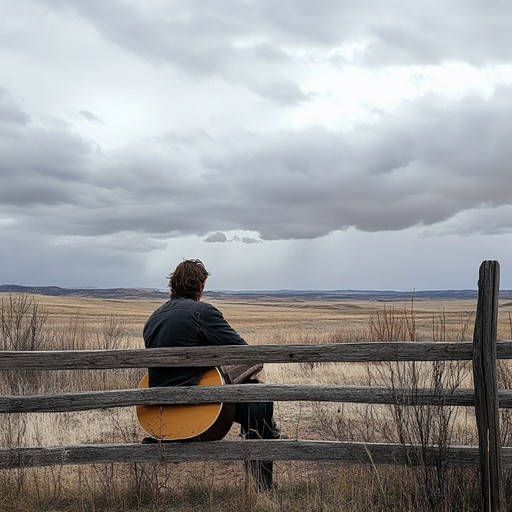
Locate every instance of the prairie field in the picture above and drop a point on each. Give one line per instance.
(60, 323)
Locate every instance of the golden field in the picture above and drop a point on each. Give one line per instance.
(85, 323)
(265, 321)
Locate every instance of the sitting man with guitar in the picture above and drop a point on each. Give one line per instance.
(185, 321)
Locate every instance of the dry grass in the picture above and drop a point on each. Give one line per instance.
(88, 323)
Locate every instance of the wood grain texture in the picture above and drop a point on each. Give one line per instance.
(230, 355)
(486, 387)
(279, 450)
(84, 401)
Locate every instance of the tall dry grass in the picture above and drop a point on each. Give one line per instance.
(30, 323)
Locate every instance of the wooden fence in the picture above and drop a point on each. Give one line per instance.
(489, 456)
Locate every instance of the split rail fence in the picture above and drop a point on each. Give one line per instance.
(489, 456)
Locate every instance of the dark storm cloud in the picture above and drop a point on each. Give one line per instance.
(419, 167)
(428, 162)
(40, 164)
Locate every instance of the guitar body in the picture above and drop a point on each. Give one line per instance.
(202, 422)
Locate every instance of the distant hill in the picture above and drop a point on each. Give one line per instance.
(149, 293)
(100, 293)
(375, 295)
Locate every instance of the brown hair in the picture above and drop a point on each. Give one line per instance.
(187, 279)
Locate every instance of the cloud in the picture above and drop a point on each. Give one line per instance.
(271, 49)
(221, 237)
(208, 39)
(282, 92)
(202, 41)
(216, 237)
(404, 34)
(12, 117)
(487, 220)
(249, 240)
(281, 184)
(41, 163)
(89, 116)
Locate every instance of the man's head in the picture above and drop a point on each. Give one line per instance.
(188, 279)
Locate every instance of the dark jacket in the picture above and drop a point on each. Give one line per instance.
(185, 323)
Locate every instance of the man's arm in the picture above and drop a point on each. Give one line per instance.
(215, 330)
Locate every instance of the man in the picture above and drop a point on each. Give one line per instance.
(186, 321)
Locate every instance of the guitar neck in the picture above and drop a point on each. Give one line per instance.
(236, 374)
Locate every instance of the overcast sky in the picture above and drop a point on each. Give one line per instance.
(286, 143)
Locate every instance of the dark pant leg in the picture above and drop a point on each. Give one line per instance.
(258, 417)
(257, 422)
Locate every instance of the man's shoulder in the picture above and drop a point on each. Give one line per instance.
(205, 306)
(173, 304)
(182, 304)
(204, 310)
(190, 304)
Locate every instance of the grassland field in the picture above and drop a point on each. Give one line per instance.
(259, 322)
(267, 321)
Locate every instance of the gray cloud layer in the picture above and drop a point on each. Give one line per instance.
(236, 40)
(427, 163)
(440, 32)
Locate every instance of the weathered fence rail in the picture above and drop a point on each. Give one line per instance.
(84, 401)
(349, 452)
(489, 456)
(208, 356)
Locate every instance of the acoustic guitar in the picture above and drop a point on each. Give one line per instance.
(202, 422)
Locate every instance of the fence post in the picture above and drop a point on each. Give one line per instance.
(486, 387)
